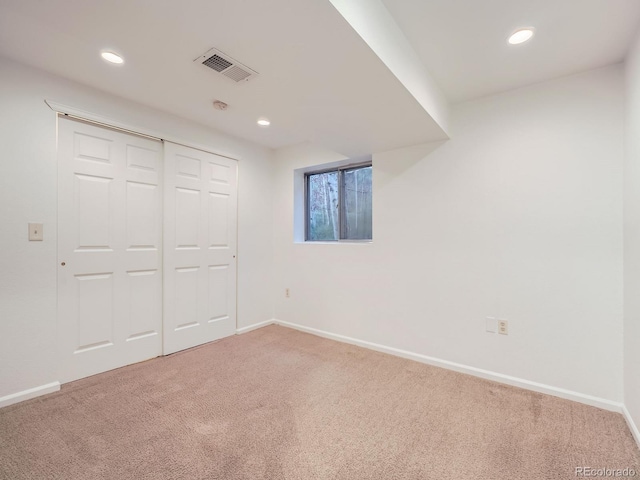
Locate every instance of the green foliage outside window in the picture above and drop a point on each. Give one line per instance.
(339, 204)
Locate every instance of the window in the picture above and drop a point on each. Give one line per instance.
(338, 204)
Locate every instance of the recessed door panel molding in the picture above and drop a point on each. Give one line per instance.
(94, 310)
(218, 292)
(142, 158)
(187, 217)
(187, 167)
(186, 297)
(109, 248)
(92, 148)
(218, 220)
(143, 306)
(220, 173)
(93, 199)
(200, 242)
(143, 215)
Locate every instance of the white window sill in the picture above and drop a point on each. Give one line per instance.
(337, 242)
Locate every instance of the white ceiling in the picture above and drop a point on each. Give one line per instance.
(319, 80)
(463, 42)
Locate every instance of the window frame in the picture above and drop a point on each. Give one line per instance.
(341, 217)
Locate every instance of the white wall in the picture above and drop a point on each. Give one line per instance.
(28, 194)
(632, 238)
(519, 216)
(377, 27)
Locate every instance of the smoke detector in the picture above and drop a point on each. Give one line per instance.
(226, 65)
(218, 105)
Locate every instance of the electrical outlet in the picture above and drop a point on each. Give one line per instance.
(503, 327)
(287, 293)
(35, 232)
(491, 325)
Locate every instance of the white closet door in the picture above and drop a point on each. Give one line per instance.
(200, 240)
(109, 247)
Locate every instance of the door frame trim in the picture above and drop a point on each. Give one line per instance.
(91, 117)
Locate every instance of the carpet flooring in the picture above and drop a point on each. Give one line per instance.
(276, 403)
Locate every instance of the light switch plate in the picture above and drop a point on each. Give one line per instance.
(492, 325)
(35, 232)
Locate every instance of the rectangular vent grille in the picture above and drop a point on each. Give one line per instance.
(217, 63)
(227, 66)
(236, 73)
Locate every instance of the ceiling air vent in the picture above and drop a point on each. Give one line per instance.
(227, 66)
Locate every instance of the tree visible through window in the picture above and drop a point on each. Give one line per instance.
(339, 204)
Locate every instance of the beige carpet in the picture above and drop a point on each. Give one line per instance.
(279, 404)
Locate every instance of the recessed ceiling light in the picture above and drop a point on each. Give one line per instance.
(521, 36)
(112, 57)
(264, 122)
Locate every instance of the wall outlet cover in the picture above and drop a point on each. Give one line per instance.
(503, 327)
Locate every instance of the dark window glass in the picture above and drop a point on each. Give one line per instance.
(323, 218)
(357, 204)
(339, 204)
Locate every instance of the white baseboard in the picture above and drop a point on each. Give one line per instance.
(240, 331)
(30, 393)
(476, 372)
(632, 425)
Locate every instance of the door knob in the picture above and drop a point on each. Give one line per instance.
(63, 264)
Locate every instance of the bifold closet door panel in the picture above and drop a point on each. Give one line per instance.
(200, 244)
(109, 248)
